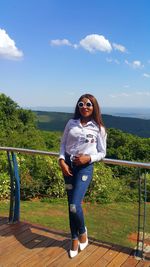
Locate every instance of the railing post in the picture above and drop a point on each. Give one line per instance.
(11, 208)
(17, 189)
(141, 216)
(14, 212)
(138, 252)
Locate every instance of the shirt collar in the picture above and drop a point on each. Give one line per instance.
(92, 123)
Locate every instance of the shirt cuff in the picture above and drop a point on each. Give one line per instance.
(61, 157)
(95, 158)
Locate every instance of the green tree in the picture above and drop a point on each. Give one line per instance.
(18, 126)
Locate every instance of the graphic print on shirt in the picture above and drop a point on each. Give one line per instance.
(90, 138)
(86, 138)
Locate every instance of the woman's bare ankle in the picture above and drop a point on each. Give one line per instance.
(83, 238)
(75, 244)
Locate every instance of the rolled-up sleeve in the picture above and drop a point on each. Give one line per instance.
(101, 146)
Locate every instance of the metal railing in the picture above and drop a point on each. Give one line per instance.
(14, 212)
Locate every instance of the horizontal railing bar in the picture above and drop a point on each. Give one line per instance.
(29, 151)
(127, 163)
(105, 160)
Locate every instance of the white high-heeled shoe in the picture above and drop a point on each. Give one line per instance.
(74, 253)
(84, 245)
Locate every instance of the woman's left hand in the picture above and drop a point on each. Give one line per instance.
(81, 159)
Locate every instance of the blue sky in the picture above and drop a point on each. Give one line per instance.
(52, 51)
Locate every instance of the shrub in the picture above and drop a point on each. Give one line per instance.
(4, 186)
(40, 177)
(4, 177)
(56, 182)
(105, 188)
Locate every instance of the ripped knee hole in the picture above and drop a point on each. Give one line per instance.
(73, 208)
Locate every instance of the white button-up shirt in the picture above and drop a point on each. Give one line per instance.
(87, 139)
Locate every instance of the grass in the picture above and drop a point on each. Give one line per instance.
(112, 223)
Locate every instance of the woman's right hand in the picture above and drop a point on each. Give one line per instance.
(65, 168)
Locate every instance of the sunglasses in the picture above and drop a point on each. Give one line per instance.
(87, 104)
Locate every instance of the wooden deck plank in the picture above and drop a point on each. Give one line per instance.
(41, 253)
(13, 252)
(45, 239)
(108, 256)
(66, 261)
(143, 264)
(3, 220)
(61, 253)
(37, 260)
(96, 255)
(25, 244)
(131, 261)
(27, 256)
(120, 258)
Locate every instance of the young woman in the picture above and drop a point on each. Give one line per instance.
(83, 143)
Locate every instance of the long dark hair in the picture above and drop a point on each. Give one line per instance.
(96, 115)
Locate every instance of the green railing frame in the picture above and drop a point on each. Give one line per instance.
(14, 212)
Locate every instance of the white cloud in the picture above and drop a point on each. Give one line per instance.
(119, 47)
(128, 99)
(142, 93)
(111, 60)
(92, 43)
(146, 75)
(134, 94)
(63, 42)
(96, 42)
(60, 42)
(75, 46)
(8, 47)
(119, 95)
(136, 64)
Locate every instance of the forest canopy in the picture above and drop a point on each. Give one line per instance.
(18, 126)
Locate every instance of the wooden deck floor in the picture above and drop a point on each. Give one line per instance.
(27, 245)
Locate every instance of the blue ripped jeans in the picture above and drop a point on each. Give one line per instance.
(76, 187)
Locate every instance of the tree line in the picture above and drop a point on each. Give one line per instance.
(55, 121)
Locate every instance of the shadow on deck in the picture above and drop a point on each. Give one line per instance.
(25, 244)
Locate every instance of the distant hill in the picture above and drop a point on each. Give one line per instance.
(55, 121)
(134, 126)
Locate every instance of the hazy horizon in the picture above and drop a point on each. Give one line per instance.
(143, 113)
